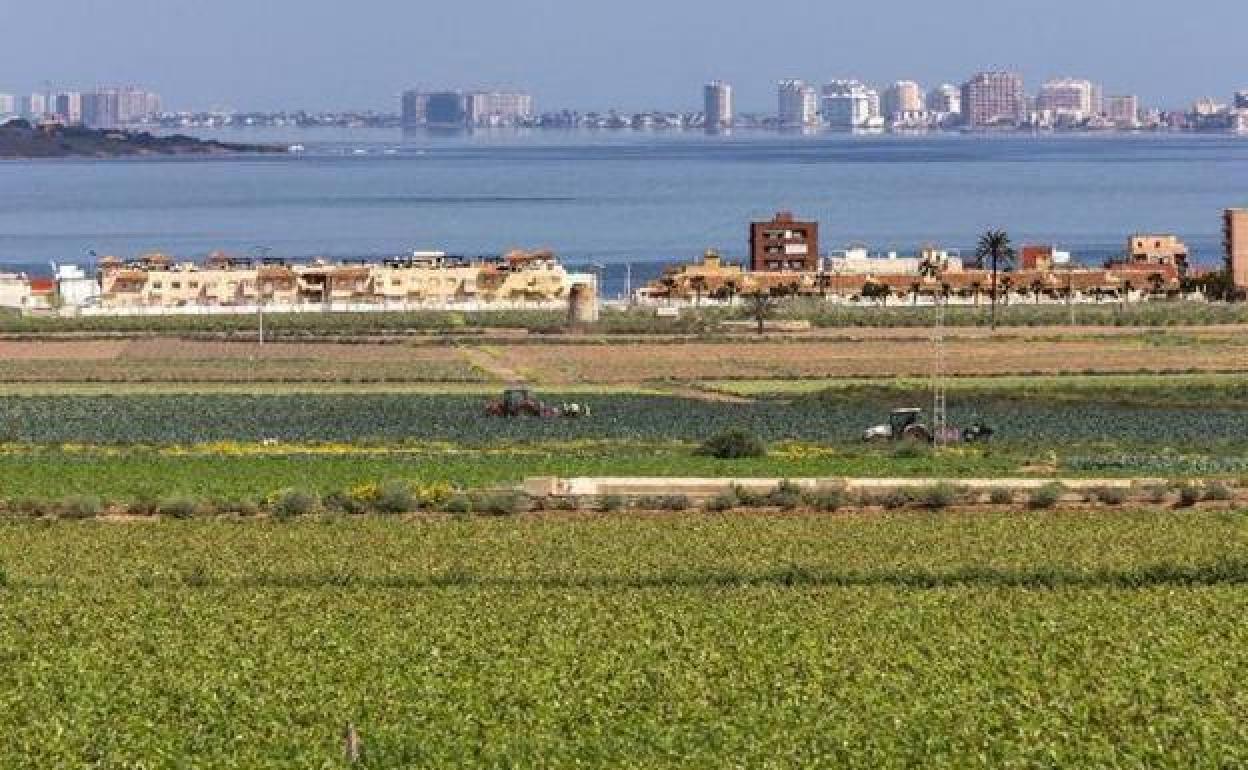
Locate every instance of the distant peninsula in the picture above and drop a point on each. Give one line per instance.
(19, 139)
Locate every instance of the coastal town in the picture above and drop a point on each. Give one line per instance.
(785, 259)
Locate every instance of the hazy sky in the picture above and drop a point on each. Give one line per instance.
(269, 54)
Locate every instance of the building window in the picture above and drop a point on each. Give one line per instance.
(156, 284)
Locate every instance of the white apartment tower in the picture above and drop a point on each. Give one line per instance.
(847, 105)
(945, 99)
(901, 98)
(717, 99)
(1072, 98)
(797, 104)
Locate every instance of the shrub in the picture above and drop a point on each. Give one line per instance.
(1046, 496)
(895, 498)
(733, 444)
(144, 505)
(1155, 493)
(910, 449)
(294, 502)
(1189, 495)
(1110, 495)
(674, 503)
(937, 496)
(503, 504)
(178, 507)
(345, 502)
(827, 499)
(747, 498)
(459, 504)
(612, 503)
(1216, 490)
(724, 501)
(1000, 496)
(32, 506)
(395, 497)
(786, 495)
(81, 507)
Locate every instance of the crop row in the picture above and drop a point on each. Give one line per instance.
(196, 418)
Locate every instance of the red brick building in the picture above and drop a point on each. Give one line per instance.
(784, 244)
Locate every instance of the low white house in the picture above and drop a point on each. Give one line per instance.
(14, 291)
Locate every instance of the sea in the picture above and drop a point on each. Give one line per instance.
(623, 203)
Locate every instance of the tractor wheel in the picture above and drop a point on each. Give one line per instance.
(918, 433)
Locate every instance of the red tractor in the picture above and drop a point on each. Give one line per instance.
(523, 402)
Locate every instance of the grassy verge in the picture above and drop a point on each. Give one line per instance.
(251, 472)
(682, 641)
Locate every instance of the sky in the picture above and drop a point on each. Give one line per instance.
(590, 54)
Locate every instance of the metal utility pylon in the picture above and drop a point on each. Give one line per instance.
(940, 415)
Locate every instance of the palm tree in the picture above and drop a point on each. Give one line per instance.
(995, 245)
(698, 283)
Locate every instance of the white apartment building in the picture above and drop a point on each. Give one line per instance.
(1069, 99)
(8, 105)
(717, 107)
(797, 104)
(945, 99)
(902, 98)
(847, 105)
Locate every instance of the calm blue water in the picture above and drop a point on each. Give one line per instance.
(621, 197)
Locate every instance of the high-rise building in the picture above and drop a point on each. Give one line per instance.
(945, 99)
(1122, 111)
(846, 105)
(8, 105)
(1241, 100)
(497, 108)
(413, 106)
(67, 107)
(102, 108)
(33, 106)
(717, 99)
(1235, 232)
(135, 105)
(993, 99)
(444, 109)
(902, 97)
(797, 104)
(1071, 98)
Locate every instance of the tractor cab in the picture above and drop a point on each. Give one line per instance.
(901, 419)
(516, 399)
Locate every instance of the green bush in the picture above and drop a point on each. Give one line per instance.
(1000, 496)
(724, 501)
(345, 502)
(178, 507)
(827, 499)
(395, 497)
(612, 503)
(786, 495)
(1218, 491)
(1046, 496)
(733, 444)
(894, 499)
(673, 503)
(294, 502)
(747, 498)
(503, 504)
(1110, 495)
(458, 504)
(1189, 495)
(1155, 493)
(81, 507)
(937, 496)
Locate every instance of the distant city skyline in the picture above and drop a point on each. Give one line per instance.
(315, 54)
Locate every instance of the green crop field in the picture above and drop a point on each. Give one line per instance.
(692, 641)
(1212, 417)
